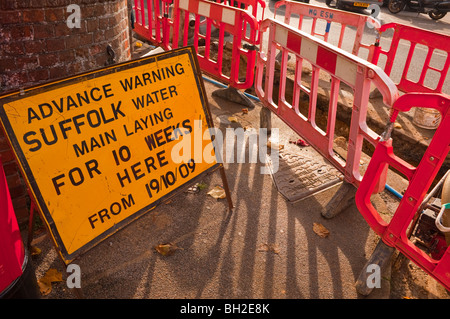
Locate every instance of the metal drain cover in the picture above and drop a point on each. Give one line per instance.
(300, 176)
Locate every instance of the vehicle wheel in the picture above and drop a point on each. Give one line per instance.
(395, 6)
(436, 14)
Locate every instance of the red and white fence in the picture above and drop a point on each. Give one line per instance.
(195, 20)
(425, 50)
(395, 232)
(340, 66)
(330, 25)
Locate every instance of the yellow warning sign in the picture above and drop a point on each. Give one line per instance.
(100, 149)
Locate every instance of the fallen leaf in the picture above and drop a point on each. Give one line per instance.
(217, 192)
(45, 283)
(320, 230)
(244, 111)
(299, 142)
(269, 248)
(397, 125)
(233, 119)
(274, 146)
(35, 251)
(166, 249)
(202, 185)
(138, 44)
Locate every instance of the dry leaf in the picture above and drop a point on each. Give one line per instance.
(244, 111)
(166, 249)
(397, 125)
(45, 283)
(138, 44)
(35, 251)
(217, 192)
(233, 119)
(275, 145)
(269, 248)
(320, 230)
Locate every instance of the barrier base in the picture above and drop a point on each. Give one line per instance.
(24, 287)
(344, 197)
(381, 256)
(233, 95)
(265, 120)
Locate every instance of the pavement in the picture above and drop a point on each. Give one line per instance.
(267, 247)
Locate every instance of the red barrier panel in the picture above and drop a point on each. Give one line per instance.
(326, 19)
(12, 252)
(256, 7)
(434, 46)
(394, 233)
(341, 66)
(202, 18)
(149, 16)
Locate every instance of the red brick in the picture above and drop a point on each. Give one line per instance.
(7, 155)
(46, 60)
(35, 15)
(73, 42)
(86, 38)
(38, 75)
(35, 46)
(8, 4)
(12, 81)
(13, 49)
(10, 17)
(21, 208)
(91, 25)
(66, 56)
(43, 31)
(99, 36)
(58, 72)
(75, 68)
(8, 64)
(61, 29)
(17, 192)
(24, 32)
(11, 168)
(13, 180)
(96, 49)
(4, 144)
(56, 44)
(55, 14)
(27, 62)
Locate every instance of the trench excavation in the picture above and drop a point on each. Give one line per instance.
(409, 144)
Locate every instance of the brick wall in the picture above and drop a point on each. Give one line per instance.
(37, 46)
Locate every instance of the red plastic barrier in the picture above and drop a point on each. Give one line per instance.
(429, 41)
(326, 18)
(256, 7)
(341, 66)
(150, 19)
(394, 233)
(12, 252)
(229, 23)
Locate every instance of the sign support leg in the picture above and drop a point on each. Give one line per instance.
(226, 188)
